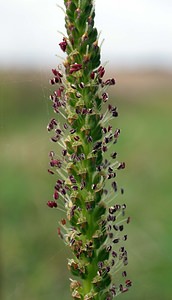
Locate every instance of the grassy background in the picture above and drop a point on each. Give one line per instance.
(32, 258)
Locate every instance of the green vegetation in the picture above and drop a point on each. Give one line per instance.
(33, 260)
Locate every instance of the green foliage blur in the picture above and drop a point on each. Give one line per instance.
(33, 260)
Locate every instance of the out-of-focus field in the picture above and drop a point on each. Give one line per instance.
(32, 258)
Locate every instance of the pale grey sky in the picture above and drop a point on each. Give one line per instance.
(136, 32)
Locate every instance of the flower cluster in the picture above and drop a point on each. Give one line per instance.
(86, 186)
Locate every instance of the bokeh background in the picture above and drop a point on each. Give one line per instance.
(138, 46)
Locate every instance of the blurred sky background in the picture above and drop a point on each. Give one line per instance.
(138, 33)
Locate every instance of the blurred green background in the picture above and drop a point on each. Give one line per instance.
(32, 258)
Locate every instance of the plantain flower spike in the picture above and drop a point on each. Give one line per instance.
(85, 169)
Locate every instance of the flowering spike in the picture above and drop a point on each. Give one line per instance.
(93, 229)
